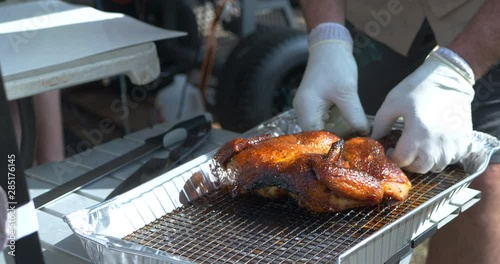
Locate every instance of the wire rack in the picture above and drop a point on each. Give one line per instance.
(217, 228)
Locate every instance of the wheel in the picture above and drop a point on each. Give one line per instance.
(177, 55)
(180, 52)
(295, 3)
(260, 77)
(172, 14)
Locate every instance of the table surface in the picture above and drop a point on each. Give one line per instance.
(59, 243)
(139, 62)
(58, 45)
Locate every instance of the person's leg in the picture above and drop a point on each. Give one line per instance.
(50, 139)
(49, 127)
(474, 236)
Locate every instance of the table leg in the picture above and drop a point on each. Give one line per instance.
(125, 109)
(27, 119)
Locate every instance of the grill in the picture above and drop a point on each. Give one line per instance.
(183, 217)
(248, 229)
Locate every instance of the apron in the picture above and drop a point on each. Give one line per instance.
(395, 23)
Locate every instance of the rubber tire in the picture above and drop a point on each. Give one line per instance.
(177, 55)
(254, 70)
(182, 51)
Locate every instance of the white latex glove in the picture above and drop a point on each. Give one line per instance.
(331, 78)
(435, 102)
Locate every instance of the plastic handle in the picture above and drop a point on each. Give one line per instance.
(174, 136)
(192, 127)
(194, 124)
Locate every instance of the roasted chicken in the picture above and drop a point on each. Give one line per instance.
(322, 172)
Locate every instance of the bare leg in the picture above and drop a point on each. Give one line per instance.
(474, 237)
(50, 140)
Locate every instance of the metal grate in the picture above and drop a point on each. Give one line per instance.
(217, 228)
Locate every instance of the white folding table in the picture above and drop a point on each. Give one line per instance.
(138, 62)
(51, 44)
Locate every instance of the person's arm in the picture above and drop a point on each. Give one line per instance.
(321, 11)
(479, 43)
(435, 100)
(330, 83)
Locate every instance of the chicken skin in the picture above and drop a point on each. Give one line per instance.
(322, 172)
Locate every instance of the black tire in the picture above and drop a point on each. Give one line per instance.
(260, 77)
(177, 55)
(180, 52)
(295, 3)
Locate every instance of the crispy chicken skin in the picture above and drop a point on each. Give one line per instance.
(322, 172)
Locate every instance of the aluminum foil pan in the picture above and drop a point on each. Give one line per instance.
(101, 228)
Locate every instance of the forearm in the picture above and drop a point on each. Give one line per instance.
(479, 43)
(320, 11)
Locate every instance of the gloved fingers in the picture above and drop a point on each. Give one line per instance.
(406, 150)
(463, 146)
(445, 158)
(422, 164)
(353, 113)
(440, 166)
(454, 150)
(446, 155)
(384, 120)
(337, 124)
(311, 111)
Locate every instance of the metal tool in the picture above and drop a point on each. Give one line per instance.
(157, 166)
(174, 135)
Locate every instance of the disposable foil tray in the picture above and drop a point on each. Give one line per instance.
(183, 217)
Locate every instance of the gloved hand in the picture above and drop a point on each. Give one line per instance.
(435, 102)
(331, 78)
